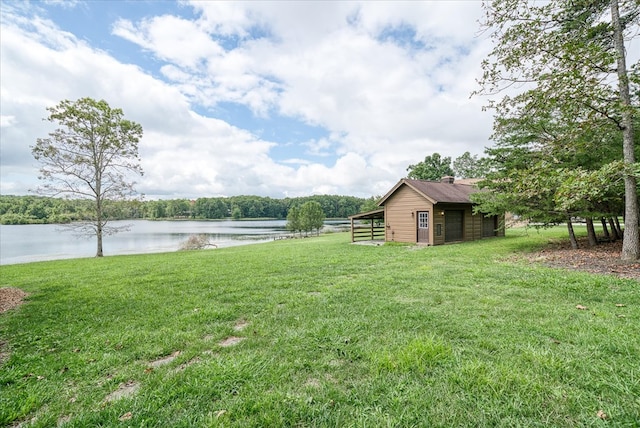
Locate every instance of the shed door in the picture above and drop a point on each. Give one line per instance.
(453, 227)
(489, 226)
(423, 227)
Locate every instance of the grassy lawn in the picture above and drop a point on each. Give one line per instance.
(318, 332)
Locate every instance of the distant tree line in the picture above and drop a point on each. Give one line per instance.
(42, 209)
(38, 209)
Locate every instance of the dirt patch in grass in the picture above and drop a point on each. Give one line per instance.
(240, 325)
(230, 341)
(601, 259)
(164, 360)
(11, 298)
(124, 390)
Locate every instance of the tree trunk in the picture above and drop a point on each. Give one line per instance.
(618, 228)
(572, 235)
(614, 230)
(99, 213)
(591, 232)
(99, 238)
(631, 238)
(605, 229)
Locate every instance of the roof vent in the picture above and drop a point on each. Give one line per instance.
(448, 179)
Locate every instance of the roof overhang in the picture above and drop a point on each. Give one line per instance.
(369, 215)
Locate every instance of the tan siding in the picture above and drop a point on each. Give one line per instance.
(401, 224)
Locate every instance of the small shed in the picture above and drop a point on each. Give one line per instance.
(432, 213)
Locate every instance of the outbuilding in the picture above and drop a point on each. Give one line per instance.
(428, 212)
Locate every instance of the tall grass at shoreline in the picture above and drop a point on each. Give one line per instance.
(319, 332)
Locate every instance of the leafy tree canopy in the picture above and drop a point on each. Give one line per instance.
(433, 167)
(468, 166)
(565, 120)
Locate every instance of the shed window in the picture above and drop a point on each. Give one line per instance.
(423, 220)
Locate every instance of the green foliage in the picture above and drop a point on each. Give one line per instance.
(294, 221)
(467, 166)
(155, 209)
(370, 204)
(210, 208)
(333, 335)
(307, 218)
(178, 208)
(537, 159)
(37, 209)
(594, 192)
(334, 206)
(565, 143)
(40, 209)
(433, 167)
(311, 216)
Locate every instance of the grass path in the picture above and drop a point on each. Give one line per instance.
(318, 332)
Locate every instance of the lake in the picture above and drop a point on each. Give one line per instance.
(37, 242)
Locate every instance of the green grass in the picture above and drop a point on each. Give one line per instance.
(336, 335)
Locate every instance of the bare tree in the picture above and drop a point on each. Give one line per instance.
(90, 156)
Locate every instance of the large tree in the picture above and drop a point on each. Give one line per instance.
(90, 156)
(433, 167)
(565, 62)
(468, 166)
(541, 178)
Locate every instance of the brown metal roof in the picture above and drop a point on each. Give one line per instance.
(435, 191)
(369, 215)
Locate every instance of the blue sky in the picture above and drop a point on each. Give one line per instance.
(266, 98)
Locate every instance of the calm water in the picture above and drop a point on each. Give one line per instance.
(29, 243)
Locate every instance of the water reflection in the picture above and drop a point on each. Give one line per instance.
(28, 243)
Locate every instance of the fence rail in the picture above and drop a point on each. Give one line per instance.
(367, 232)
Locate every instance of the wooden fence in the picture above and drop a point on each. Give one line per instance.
(372, 231)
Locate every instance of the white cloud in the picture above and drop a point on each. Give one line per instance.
(342, 77)
(320, 147)
(383, 103)
(6, 121)
(170, 38)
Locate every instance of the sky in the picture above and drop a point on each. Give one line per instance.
(278, 99)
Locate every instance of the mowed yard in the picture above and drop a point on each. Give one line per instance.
(318, 332)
